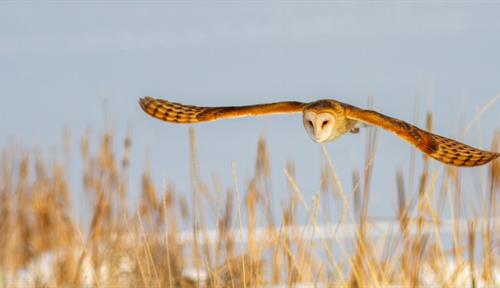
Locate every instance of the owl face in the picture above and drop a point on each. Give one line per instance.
(319, 126)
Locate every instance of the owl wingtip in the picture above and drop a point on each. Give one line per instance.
(143, 101)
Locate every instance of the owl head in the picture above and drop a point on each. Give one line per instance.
(325, 120)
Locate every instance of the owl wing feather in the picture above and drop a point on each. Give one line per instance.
(438, 147)
(186, 114)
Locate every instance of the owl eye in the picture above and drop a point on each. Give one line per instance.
(324, 124)
(310, 123)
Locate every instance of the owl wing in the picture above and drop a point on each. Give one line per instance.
(186, 114)
(438, 147)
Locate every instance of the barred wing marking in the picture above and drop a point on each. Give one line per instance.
(186, 114)
(438, 147)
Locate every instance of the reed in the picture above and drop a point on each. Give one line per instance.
(129, 245)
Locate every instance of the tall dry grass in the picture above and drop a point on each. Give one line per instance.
(140, 245)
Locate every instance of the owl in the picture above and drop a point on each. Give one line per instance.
(325, 121)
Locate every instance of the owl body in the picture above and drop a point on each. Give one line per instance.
(326, 120)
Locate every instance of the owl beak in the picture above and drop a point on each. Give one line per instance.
(317, 136)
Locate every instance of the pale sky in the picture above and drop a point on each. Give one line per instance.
(60, 60)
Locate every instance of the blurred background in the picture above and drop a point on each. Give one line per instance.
(81, 66)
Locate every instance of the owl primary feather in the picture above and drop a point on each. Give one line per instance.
(324, 121)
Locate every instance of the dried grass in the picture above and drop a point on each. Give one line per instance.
(125, 247)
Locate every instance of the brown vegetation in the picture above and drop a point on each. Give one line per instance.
(144, 248)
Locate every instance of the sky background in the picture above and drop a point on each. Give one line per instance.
(60, 61)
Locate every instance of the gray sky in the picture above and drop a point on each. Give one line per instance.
(61, 61)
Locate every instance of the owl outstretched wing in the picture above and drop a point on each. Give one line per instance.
(186, 114)
(438, 147)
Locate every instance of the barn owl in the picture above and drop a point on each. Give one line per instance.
(324, 121)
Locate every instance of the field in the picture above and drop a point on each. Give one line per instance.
(438, 237)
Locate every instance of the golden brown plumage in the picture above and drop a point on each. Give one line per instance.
(326, 120)
(438, 147)
(186, 114)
